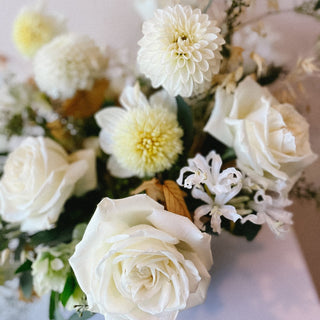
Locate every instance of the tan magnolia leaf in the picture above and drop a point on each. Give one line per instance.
(273, 4)
(236, 58)
(61, 134)
(153, 189)
(85, 103)
(174, 199)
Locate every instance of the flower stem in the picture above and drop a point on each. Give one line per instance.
(208, 6)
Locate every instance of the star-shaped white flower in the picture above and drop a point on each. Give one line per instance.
(222, 186)
(270, 210)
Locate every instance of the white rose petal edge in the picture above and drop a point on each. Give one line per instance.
(138, 261)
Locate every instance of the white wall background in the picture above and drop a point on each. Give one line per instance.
(115, 23)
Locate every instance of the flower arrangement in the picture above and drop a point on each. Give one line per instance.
(113, 182)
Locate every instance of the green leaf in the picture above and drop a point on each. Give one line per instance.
(317, 6)
(26, 284)
(186, 123)
(228, 155)
(81, 316)
(24, 267)
(68, 289)
(53, 305)
(51, 237)
(20, 247)
(247, 229)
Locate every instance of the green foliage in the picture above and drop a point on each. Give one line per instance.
(272, 74)
(248, 229)
(304, 190)
(26, 266)
(26, 284)
(14, 125)
(68, 289)
(53, 305)
(309, 8)
(186, 122)
(233, 13)
(228, 155)
(81, 315)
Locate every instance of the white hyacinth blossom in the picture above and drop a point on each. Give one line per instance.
(270, 210)
(222, 187)
(180, 50)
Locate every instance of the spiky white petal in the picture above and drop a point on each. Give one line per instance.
(180, 50)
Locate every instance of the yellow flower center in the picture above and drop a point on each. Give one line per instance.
(31, 31)
(147, 141)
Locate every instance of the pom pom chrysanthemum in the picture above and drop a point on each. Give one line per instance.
(180, 50)
(143, 138)
(33, 28)
(68, 63)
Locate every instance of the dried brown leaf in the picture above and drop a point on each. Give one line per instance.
(24, 299)
(273, 4)
(85, 103)
(61, 134)
(174, 199)
(153, 189)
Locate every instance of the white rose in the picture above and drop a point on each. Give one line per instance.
(271, 140)
(138, 261)
(38, 178)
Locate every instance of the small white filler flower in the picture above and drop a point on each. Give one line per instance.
(180, 50)
(270, 210)
(68, 63)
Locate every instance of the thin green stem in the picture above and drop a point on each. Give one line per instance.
(208, 6)
(262, 16)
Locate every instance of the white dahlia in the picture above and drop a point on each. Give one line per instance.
(68, 63)
(180, 50)
(144, 137)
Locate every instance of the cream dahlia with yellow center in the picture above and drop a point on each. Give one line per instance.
(180, 50)
(144, 137)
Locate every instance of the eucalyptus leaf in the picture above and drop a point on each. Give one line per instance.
(58, 315)
(81, 316)
(26, 284)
